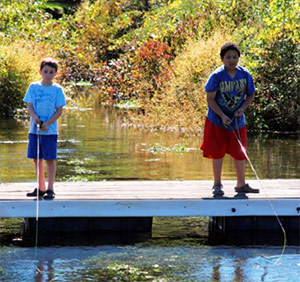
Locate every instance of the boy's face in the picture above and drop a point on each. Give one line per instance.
(47, 73)
(230, 60)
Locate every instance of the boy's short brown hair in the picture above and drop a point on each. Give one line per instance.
(229, 46)
(49, 62)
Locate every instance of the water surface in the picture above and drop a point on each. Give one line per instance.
(94, 145)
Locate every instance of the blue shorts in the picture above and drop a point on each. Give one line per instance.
(47, 146)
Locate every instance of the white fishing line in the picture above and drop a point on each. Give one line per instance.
(38, 190)
(263, 187)
(38, 171)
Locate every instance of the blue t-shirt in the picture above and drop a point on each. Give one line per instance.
(45, 100)
(231, 93)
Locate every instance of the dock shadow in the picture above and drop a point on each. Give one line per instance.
(239, 195)
(87, 231)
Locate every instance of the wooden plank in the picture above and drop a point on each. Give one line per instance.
(148, 190)
(151, 198)
(150, 208)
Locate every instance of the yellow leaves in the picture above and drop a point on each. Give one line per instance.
(179, 104)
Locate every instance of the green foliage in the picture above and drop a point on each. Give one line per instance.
(21, 19)
(278, 77)
(17, 70)
(180, 103)
(159, 53)
(273, 57)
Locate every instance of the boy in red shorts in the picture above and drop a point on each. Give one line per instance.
(230, 90)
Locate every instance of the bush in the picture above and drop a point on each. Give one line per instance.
(20, 19)
(127, 48)
(273, 58)
(277, 105)
(180, 103)
(18, 68)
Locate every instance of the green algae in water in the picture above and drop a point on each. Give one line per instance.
(11, 226)
(11, 229)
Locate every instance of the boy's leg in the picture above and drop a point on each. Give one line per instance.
(240, 172)
(40, 165)
(217, 169)
(49, 146)
(51, 166)
(241, 186)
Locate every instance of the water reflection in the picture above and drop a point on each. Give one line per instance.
(138, 263)
(94, 145)
(44, 271)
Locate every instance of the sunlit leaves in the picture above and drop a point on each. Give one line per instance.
(134, 51)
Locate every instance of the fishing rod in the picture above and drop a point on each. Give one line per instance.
(236, 133)
(38, 126)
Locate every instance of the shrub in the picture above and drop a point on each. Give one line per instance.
(180, 103)
(273, 58)
(21, 19)
(18, 68)
(277, 105)
(117, 81)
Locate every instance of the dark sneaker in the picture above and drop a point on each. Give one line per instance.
(49, 195)
(246, 189)
(35, 192)
(217, 190)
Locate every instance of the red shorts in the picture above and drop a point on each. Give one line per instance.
(218, 141)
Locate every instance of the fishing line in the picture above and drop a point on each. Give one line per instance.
(261, 184)
(38, 190)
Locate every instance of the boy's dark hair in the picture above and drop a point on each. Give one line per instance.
(49, 62)
(229, 46)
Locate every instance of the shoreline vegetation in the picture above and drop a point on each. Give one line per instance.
(151, 58)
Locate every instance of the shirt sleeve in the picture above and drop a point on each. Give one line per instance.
(212, 83)
(60, 100)
(250, 84)
(29, 95)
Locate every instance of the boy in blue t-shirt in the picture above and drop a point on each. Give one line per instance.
(230, 90)
(45, 101)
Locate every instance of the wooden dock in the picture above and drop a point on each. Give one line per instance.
(151, 199)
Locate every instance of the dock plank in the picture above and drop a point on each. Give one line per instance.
(151, 198)
(147, 190)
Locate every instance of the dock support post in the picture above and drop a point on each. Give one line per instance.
(254, 230)
(88, 229)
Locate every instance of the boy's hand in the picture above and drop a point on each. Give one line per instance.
(226, 120)
(36, 120)
(45, 126)
(239, 112)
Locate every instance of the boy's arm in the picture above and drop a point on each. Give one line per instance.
(249, 99)
(32, 113)
(56, 115)
(211, 101)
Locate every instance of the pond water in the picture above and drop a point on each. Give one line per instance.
(94, 145)
(148, 263)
